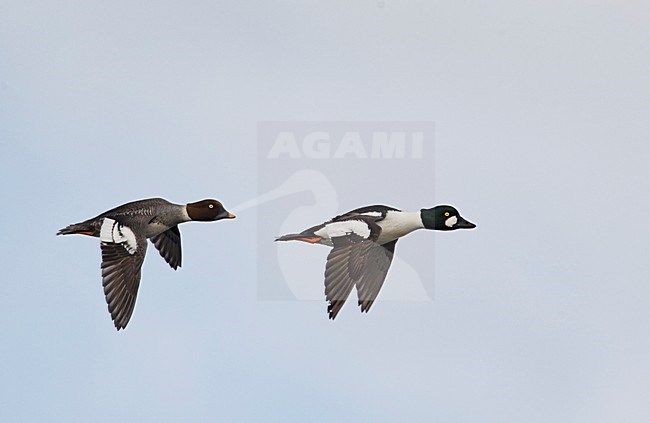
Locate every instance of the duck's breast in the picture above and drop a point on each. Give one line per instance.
(397, 224)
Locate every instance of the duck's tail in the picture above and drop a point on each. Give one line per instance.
(312, 239)
(83, 228)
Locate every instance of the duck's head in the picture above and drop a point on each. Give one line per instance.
(207, 211)
(444, 218)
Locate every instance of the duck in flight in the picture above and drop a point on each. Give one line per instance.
(123, 233)
(363, 242)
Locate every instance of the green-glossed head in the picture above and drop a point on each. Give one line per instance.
(444, 218)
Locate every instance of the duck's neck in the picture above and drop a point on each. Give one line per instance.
(397, 224)
(183, 214)
(412, 220)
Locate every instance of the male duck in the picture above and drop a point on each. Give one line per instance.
(364, 243)
(123, 232)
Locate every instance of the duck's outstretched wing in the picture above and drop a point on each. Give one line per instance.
(343, 269)
(376, 268)
(356, 260)
(168, 245)
(123, 251)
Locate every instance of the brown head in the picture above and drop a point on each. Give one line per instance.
(207, 211)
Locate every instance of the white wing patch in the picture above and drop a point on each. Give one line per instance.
(372, 213)
(348, 227)
(451, 221)
(115, 233)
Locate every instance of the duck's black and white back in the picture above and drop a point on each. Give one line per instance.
(363, 242)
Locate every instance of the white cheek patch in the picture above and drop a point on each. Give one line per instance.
(451, 221)
(348, 227)
(115, 233)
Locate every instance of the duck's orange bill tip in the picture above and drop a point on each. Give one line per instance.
(231, 216)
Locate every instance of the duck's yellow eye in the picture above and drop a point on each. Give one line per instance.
(446, 214)
(211, 206)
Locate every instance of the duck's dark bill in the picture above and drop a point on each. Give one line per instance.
(464, 224)
(225, 215)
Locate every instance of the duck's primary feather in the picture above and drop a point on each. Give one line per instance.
(168, 244)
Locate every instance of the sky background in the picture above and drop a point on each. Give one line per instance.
(541, 113)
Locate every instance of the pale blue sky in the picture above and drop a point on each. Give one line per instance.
(541, 137)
